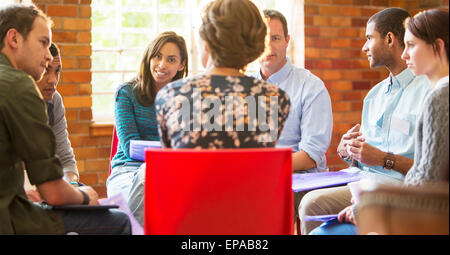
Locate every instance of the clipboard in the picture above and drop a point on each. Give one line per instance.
(79, 207)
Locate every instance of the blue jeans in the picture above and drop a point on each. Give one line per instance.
(101, 222)
(335, 227)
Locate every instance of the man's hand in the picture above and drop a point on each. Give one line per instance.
(33, 195)
(348, 137)
(93, 196)
(365, 153)
(346, 215)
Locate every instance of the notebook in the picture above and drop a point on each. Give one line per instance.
(311, 181)
(137, 148)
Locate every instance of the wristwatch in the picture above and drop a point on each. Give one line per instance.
(389, 161)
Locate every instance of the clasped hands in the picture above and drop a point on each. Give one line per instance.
(354, 145)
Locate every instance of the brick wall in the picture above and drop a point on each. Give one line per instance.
(334, 35)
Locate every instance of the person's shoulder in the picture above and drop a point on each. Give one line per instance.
(310, 79)
(12, 77)
(439, 95)
(123, 89)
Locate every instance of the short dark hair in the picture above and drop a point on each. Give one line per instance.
(430, 25)
(391, 20)
(20, 17)
(274, 14)
(54, 50)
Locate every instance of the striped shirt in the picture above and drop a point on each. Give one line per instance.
(133, 122)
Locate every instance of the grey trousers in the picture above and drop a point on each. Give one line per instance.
(136, 195)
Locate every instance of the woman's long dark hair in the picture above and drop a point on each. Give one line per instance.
(144, 84)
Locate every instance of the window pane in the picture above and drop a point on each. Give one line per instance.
(171, 3)
(104, 2)
(130, 61)
(137, 19)
(105, 82)
(105, 40)
(138, 3)
(104, 61)
(104, 18)
(135, 40)
(171, 21)
(103, 107)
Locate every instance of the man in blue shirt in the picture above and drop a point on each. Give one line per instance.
(309, 125)
(310, 122)
(383, 145)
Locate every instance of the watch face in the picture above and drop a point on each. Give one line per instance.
(389, 163)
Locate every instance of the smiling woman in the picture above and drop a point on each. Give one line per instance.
(163, 61)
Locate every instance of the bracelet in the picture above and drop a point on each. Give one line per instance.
(348, 158)
(86, 198)
(74, 183)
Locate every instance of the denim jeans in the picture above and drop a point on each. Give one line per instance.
(98, 222)
(334, 227)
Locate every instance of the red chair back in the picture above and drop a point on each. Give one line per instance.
(229, 191)
(114, 143)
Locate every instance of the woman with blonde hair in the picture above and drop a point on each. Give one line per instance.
(165, 60)
(224, 108)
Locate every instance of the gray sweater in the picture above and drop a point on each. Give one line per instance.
(59, 127)
(431, 156)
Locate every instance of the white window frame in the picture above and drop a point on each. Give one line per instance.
(293, 10)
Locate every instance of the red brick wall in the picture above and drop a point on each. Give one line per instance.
(334, 35)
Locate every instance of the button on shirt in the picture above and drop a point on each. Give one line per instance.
(310, 121)
(389, 116)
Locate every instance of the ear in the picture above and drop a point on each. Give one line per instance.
(390, 39)
(182, 65)
(13, 38)
(288, 38)
(440, 46)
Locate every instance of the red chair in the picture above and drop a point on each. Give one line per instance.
(114, 143)
(228, 191)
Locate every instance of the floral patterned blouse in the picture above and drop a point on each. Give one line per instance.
(214, 112)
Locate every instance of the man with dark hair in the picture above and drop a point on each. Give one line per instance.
(27, 140)
(56, 114)
(57, 120)
(382, 147)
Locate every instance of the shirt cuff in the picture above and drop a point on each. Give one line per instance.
(44, 170)
(71, 169)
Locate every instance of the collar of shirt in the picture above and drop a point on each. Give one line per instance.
(442, 82)
(279, 76)
(399, 81)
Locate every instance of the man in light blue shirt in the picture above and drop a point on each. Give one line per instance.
(309, 125)
(383, 145)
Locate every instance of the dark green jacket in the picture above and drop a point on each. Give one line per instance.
(26, 140)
